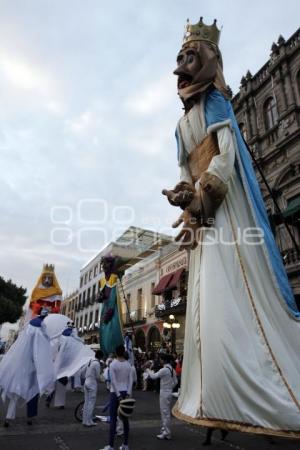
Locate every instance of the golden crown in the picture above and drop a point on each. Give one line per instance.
(201, 32)
(48, 268)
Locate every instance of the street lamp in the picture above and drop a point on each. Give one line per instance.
(172, 324)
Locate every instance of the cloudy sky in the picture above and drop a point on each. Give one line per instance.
(88, 108)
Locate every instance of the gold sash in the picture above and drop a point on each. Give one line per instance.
(200, 158)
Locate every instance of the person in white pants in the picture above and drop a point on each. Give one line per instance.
(11, 409)
(168, 380)
(92, 377)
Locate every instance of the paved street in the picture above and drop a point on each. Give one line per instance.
(58, 430)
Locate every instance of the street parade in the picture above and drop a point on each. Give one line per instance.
(150, 283)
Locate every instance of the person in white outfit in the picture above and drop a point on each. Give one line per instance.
(92, 377)
(11, 409)
(168, 380)
(120, 387)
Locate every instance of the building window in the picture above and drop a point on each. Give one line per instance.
(128, 299)
(91, 318)
(270, 113)
(85, 278)
(81, 321)
(88, 294)
(298, 83)
(94, 292)
(90, 275)
(95, 270)
(152, 295)
(85, 319)
(81, 281)
(96, 315)
(140, 298)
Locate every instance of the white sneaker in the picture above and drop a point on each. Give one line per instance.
(163, 436)
(124, 447)
(107, 447)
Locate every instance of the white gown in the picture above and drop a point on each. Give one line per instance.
(72, 355)
(27, 368)
(241, 367)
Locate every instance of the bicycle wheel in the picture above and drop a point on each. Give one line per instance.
(78, 411)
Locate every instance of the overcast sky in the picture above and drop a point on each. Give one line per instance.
(88, 108)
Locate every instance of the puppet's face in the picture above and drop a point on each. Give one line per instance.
(188, 67)
(107, 263)
(47, 280)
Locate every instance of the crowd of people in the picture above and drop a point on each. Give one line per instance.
(124, 370)
(159, 371)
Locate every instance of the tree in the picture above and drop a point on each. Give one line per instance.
(12, 299)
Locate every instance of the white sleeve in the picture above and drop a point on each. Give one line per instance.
(185, 174)
(130, 382)
(97, 371)
(113, 383)
(156, 375)
(222, 165)
(44, 330)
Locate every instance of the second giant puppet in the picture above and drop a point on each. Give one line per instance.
(110, 320)
(241, 366)
(47, 292)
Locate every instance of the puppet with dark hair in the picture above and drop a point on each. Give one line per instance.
(110, 329)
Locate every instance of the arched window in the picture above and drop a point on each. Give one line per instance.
(298, 83)
(243, 130)
(270, 113)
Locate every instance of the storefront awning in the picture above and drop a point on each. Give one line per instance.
(175, 278)
(162, 284)
(168, 282)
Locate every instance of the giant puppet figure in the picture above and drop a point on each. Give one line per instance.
(241, 354)
(47, 292)
(26, 370)
(110, 320)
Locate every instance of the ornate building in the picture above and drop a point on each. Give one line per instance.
(135, 245)
(267, 108)
(68, 305)
(155, 289)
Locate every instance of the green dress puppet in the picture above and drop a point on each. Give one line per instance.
(110, 320)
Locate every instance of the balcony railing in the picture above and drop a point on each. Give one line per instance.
(174, 306)
(137, 317)
(290, 256)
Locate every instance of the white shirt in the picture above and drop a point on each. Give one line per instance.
(120, 377)
(167, 377)
(92, 375)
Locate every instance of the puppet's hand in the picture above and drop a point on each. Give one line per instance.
(207, 200)
(189, 234)
(181, 195)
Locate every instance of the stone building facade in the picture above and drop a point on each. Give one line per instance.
(155, 289)
(68, 305)
(267, 108)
